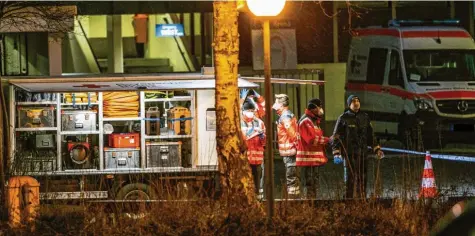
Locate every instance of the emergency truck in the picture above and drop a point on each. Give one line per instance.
(416, 80)
(117, 137)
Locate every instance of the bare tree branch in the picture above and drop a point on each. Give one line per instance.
(33, 16)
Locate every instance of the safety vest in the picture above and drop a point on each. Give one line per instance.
(255, 144)
(287, 134)
(311, 144)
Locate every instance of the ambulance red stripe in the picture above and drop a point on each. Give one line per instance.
(412, 34)
(457, 94)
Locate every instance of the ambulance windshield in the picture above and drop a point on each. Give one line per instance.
(440, 65)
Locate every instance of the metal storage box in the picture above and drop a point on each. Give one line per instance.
(78, 120)
(164, 154)
(122, 157)
(45, 141)
(35, 117)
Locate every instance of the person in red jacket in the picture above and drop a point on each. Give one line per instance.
(140, 24)
(255, 98)
(253, 132)
(311, 147)
(287, 140)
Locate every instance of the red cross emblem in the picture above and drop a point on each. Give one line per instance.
(91, 86)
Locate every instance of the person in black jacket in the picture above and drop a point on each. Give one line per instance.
(352, 135)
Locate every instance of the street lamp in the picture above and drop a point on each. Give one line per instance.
(267, 9)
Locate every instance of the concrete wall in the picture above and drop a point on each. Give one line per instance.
(78, 56)
(96, 27)
(165, 47)
(26, 54)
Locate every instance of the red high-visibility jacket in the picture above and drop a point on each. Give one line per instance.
(287, 134)
(261, 107)
(311, 142)
(253, 132)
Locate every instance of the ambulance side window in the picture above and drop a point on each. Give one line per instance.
(395, 72)
(376, 65)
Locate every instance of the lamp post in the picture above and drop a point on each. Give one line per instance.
(265, 9)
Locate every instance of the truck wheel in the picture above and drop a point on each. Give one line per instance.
(135, 191)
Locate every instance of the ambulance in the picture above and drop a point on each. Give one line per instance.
(118, 137)
(416, 80)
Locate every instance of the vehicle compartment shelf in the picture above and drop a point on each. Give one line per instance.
(36, 129)
(173, 99)
(37, 103)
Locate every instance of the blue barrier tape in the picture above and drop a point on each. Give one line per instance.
(345, 173)
(151, 119)
(453, 158)
(401, 151)
(180, 119)
(434, 156)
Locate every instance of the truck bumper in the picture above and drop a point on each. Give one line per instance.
(446, 130)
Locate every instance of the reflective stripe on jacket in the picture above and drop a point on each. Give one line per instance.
(311, 143)
(287, 134)
(255, 142)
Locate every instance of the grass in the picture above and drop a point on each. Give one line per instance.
(207, 217)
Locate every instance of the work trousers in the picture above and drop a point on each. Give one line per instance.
(291, 176)
(310, 180)
(357, 169)
(258, 178)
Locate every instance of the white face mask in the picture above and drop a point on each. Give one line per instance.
(320, 112)
(277, 106)
(248, 114)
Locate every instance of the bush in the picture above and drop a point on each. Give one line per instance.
(206, 217)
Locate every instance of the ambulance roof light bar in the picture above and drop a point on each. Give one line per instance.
(448, 22)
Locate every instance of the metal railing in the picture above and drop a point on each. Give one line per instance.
(298, 94)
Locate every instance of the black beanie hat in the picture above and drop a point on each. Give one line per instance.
(248, 105)
(314, 103)
(350, 99)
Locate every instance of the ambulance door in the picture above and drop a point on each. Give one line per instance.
(375, 102)
(395, 94)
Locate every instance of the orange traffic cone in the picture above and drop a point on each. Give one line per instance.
(428, 188)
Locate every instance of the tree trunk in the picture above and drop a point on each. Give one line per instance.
(2, 146)
(235, 173)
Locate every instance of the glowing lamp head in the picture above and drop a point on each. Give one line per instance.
(266, 7)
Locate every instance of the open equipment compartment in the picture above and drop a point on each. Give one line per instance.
(166, 117)
(169, 132)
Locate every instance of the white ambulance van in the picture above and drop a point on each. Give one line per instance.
(416, 76)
